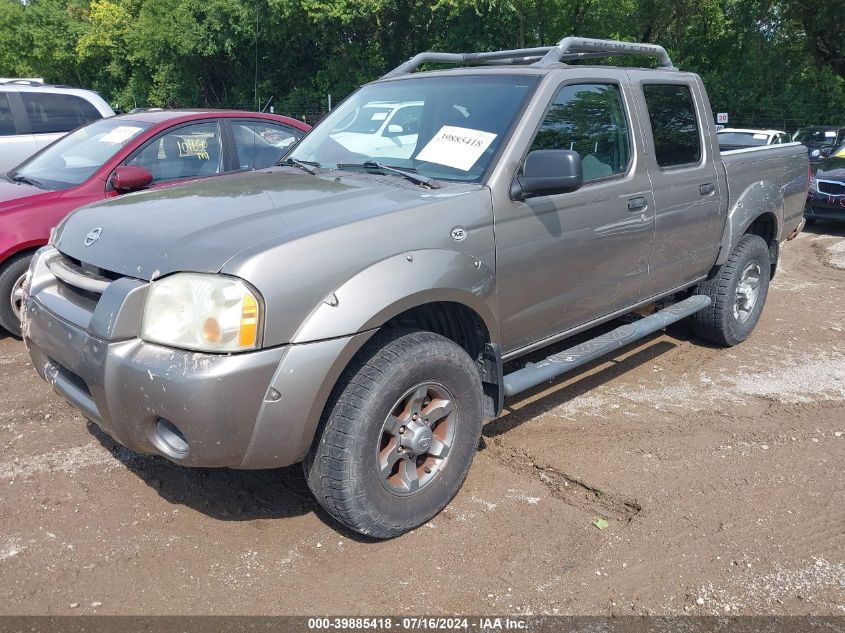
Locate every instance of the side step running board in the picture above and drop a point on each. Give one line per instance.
(535, 373)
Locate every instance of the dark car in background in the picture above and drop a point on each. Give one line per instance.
(118, 155)
(826, 198)
(820, 140)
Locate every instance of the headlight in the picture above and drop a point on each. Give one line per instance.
(209, 313)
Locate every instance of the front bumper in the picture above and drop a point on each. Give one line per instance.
(250, 410)
(825, 206)
(127, 387)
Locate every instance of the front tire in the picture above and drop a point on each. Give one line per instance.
(12, 275)
(397, 441)
(738, 289)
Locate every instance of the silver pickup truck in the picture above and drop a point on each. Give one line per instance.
(363, 307)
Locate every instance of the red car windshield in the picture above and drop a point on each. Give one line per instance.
(74, 158)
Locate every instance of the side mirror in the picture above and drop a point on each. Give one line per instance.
(825, 151)
(128, 178)
(547, 172)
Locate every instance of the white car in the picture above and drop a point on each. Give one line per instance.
(33, 115)
(384, 130)
(739, 138)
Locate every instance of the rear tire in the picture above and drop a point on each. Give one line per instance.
(12, 274)
(738, 289)
(397, 440)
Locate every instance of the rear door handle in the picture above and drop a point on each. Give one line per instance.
(706, 189)
(637, 204)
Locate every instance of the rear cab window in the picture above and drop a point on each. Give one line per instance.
(674, 125)
(53, 113)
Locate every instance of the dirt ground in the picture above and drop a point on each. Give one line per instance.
(720, 473)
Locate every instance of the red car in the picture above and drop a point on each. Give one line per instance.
(118, 155)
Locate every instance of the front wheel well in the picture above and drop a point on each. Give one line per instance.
(465, 327)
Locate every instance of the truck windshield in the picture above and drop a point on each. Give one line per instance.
(74, 158)
(446, 128)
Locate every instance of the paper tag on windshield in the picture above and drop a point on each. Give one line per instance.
(830, 134)
(120, 134)
(457, 147)
(761, 137)
(379, 116)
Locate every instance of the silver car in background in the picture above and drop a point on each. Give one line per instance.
(33, 115)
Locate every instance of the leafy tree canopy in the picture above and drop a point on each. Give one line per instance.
(778, 63)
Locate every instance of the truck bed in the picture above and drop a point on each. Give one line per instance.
(772, 176)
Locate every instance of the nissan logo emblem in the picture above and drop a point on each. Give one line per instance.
(93, 236)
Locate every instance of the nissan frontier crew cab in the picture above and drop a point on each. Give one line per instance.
(363, 312)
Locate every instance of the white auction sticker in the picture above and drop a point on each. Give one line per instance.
(120, 134)
(457, 147)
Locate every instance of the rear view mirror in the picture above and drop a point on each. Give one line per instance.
(128, 178)
(394, 130)
(547, 172)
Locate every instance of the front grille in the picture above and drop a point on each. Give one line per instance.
(79, 283)
(835, 188)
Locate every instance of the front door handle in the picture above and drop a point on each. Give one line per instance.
(637, 204)
(706, 189)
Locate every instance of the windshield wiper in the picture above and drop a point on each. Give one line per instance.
(372, 165)
(28, 181)
(304, 165)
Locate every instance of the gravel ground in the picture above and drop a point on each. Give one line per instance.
(720, 473)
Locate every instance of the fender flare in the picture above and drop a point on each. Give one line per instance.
(760, 198)
(394, 285)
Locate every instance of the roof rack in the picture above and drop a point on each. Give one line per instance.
(568, 49)
(21, 82)
(33, 83)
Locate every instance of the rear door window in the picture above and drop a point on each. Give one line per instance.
(52, 113)
(261, 144)
(190, 151)
(7, 123)
(589, 119)
(671, 111)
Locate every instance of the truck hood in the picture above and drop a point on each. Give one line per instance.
(198, 227)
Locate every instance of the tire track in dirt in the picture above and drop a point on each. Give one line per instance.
(564, 487)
